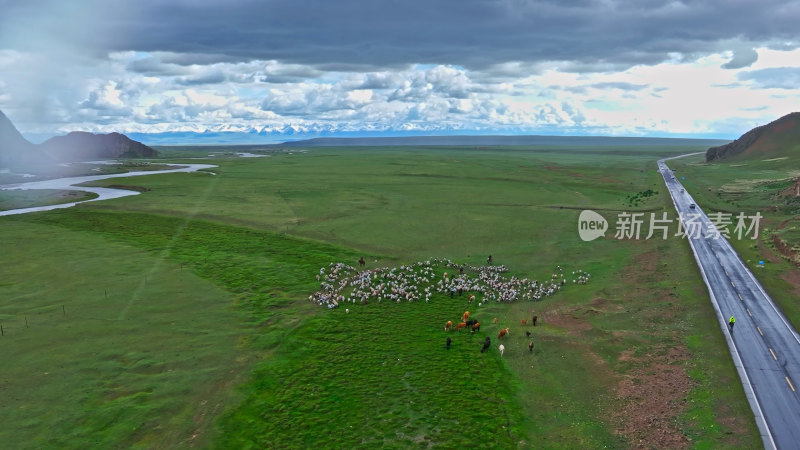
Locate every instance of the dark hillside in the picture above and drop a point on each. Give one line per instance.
(80, 145)
(16, 151)
(776, 139)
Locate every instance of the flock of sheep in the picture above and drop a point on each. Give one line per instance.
(341, 283)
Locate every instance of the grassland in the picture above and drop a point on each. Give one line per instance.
(40, 197)
(206, 338)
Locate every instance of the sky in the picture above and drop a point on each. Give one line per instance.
(280, 69)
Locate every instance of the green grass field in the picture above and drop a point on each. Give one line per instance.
(40, 197)
(179, 317)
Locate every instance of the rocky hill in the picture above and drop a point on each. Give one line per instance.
(80, 145)
(16, 151)
(771, 140)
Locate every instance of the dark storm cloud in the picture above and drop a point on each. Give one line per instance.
(155, 67)
(741, 58)
(190, 59)
(212, 77)
(288, 73)
(370, 33)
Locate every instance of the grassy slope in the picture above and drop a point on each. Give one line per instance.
(410, 204)
(165, 346)
(781, 140)
(126, 361)
(375, 377)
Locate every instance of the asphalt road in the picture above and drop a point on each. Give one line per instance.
(764, 346)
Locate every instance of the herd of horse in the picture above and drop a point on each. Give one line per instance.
(474, 325)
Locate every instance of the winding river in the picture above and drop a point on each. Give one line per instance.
(70, 183)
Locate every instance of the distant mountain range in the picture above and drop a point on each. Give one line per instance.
(776, 139)
(482, 141)
(255, 136)
(16, 151)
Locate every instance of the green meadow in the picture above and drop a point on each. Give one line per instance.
(40, 197)
(180, 317)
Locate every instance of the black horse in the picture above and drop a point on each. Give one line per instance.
(486, 344)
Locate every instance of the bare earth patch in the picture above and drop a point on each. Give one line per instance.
(604, 305)
(572, 325)
(766, 252)
(653, 393)
(653, 397)
(626, 355)
(575, 327)
(784, 249)
(793, 277)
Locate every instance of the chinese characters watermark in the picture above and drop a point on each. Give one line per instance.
(638, 225)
